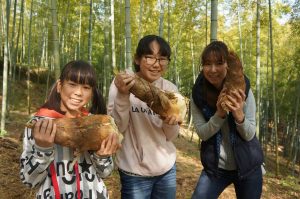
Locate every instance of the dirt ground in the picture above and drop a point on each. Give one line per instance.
(188, 170)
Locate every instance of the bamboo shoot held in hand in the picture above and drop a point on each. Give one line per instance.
(84, 133)
(162, 102)
(234, 79)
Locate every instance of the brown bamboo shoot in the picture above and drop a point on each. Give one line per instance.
(234, 79)
(83, 133)
(162, 102)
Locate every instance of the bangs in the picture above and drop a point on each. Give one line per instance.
(144, 47)
(213, 57)
(164, 49)
(81, 73)
(216, 51)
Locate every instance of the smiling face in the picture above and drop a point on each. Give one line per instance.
(215, 70)
(152, 71)
(73, 97)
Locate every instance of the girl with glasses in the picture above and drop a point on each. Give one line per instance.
(146, 161)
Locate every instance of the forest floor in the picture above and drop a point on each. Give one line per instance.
(283, 186)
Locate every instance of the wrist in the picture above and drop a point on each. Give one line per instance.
(220, 115)
(101, 156)
(240, 120)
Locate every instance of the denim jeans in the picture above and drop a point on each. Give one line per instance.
(156, 187)
(210, 187)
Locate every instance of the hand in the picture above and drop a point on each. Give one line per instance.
(44, 132)
(172, 120)
(220, 111)
(124, 82)
(237, 99)
(109, 145)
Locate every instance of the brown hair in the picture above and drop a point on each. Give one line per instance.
(217, 50)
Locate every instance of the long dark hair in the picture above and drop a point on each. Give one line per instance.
(143, 48)
(217, 50)
(80, 72)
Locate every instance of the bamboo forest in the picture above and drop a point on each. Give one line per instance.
(39, 37)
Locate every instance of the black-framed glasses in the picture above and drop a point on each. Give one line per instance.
(163, 61)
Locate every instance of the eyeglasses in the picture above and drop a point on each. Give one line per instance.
(152, 60)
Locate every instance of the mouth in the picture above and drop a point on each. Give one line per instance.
(213, 76)
(75, 101)
(155, 71)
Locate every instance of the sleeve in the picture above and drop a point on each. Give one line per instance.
(170, 131)
(34, 161)
(103, 165)
(205, 129)
(119, 107)
(248, 127)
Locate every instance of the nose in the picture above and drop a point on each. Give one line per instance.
(213, 67)
(78, 90)
(156, 63)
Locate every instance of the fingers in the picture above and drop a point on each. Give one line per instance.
(53, 132)
(44, 132)
(109, 145)
(115, 145)
(171, 120)
(220, 110)
(124, 82)
(238, 94)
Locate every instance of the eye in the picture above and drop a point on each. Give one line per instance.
(87, 87)
(207, 64)
(71, 83)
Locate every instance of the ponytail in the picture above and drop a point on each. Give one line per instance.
(98, 103)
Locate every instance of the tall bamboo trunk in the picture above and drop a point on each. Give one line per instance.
(79, 35)
(169, 23)
(22, 40)
(214, 20)
(293, 147)
(258, 96)
(62, 35)
(18, 37)
(1, 28)
(90, 33)
(273, 91)
(128, 34)
(12, 42)
(161, 18)
(206, 22)
(140, 18)
(121, 39)
(5, 68)
(56, 59)
(107, 50)
(113, 45)
(29, 60)
(240, 32)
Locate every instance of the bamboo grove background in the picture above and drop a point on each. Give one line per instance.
(40, 36)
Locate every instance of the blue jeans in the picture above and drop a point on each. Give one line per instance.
(210, 187)
(157, 187)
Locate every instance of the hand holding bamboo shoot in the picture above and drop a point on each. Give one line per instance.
(83, 133)
(162, 102)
